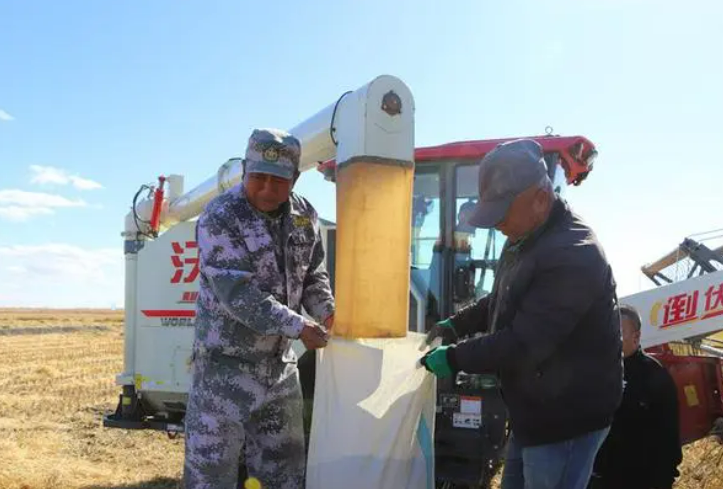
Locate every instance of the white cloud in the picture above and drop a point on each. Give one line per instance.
(84, 183)
(19, 205)
(60, 275)
(58, 176)
(18, 213)
(4, 116)
(48, 174)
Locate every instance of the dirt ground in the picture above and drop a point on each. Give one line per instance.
(57, 372)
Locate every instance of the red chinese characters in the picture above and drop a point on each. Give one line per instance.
(681, 308)
(713, 301)
(180, 261)
(189, 297)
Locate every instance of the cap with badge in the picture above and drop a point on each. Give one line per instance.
(273, 152)
(504, 173)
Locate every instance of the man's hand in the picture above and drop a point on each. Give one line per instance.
(313, 336)
(438, 330)
(329, 323)
(436, 362)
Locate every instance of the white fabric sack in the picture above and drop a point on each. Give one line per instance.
(373, 421)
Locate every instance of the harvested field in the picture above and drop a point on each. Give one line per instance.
(57, 372)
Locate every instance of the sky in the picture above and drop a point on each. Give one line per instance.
(97, 98)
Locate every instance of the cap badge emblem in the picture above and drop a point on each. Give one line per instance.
(271, 155)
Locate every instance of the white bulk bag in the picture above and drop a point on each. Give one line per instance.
(373, 420)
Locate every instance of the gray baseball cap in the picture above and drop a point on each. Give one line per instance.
(504, 173)
(274, 152)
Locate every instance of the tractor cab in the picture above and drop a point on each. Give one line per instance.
(453, 265)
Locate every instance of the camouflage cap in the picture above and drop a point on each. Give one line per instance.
(273, 152)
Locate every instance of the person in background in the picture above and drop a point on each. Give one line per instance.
(463, 232)
(261, 260)
(553, 330)
(643, 449)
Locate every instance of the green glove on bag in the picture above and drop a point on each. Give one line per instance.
(436, 362)
(447, 323)
(438, 329)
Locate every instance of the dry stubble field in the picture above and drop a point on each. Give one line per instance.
(56, 379)
(57, 372)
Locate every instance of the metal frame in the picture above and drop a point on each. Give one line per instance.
(702, 257)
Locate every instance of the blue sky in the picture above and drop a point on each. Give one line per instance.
(97, 98)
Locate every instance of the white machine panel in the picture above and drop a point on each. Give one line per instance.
(167, 290)
(680, 310)
(165, 314)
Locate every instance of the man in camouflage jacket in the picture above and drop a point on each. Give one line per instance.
(261, 260)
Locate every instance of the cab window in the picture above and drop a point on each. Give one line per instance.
(476, 251)
(426, 270)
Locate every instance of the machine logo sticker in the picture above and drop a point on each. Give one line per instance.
(184, 258)
(180, 259)
(188, 297)
(684, 308)
(171, 318)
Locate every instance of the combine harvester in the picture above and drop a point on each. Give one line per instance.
(451, 265)
(679, 318)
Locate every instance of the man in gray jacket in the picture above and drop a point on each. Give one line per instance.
(553, 331)
(261, 260)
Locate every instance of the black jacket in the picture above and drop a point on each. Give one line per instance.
(554, 333)
(643, 448)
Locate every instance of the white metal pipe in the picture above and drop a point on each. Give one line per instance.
(174, 187)
(316, 143)
(363, 126)
(717, 352)
(191, 204)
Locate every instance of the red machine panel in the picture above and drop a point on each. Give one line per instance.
(700, 383)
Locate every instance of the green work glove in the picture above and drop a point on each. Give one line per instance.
(438, 330)
(436, 362)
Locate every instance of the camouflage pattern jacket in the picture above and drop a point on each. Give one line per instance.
(256, 273)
